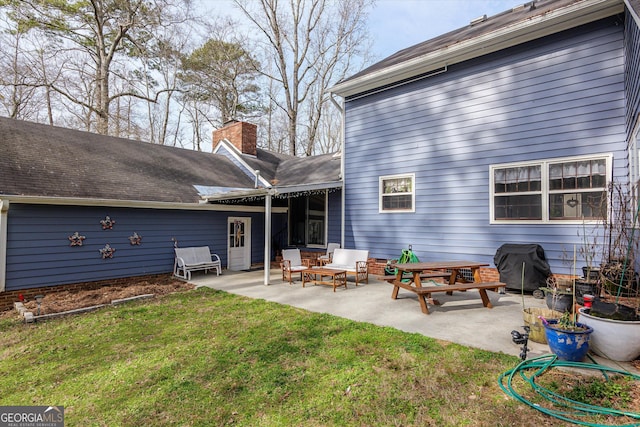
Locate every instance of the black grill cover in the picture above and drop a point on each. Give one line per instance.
(509, 258)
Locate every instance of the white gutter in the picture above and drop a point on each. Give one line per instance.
(4, 211)
(533, 28)
(69, 201)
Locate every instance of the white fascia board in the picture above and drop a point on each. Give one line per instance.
(236, 154)
(130, 204)
(530, 29)
(633, 13)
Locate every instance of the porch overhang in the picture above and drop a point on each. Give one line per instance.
(219, 194)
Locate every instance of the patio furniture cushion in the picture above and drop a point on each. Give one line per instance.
(329, 255)
(353, 261)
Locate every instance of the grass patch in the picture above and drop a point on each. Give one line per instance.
(206, 358)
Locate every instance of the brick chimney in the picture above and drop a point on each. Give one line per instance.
(242, 135)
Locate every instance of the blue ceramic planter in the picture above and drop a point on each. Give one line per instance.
(568, 345)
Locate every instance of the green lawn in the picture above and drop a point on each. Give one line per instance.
(208, 358)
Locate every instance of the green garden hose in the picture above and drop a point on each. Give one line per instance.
(570, 408)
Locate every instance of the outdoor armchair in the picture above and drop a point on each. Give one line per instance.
(325, 259)
(292, 263)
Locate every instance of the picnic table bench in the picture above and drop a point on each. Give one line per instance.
(427, 275)
(416, 270)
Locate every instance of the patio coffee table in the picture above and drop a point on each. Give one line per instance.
(317, 275)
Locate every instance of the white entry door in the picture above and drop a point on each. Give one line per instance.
(239, 243)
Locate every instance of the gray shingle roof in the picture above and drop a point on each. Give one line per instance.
(46, 161)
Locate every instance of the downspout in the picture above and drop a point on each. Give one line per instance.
(340, 108)
(4, 211)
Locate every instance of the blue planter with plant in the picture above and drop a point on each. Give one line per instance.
(568, 340)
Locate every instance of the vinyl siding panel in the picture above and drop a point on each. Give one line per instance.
(334, 233)
(632, 71)
(561, 96)
(39, 251)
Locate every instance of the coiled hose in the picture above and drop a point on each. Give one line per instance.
(570, 408)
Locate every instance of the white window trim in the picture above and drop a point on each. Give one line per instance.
(381, 179)
(544, 163)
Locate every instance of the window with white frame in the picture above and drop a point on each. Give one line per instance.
(550, 190)
(397, 193)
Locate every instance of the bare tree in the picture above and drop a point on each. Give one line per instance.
(97, 33)
(18, 94)
(313, 42)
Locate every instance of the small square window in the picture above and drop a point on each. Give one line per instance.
(397, 193)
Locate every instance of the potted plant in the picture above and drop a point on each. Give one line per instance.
(614, 317)
(558, 294)
(568, 339)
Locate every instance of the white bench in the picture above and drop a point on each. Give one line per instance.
(353, 261)
(194, 259)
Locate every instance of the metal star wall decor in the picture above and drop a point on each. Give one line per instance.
(76, 239)
(107, 223)
(107, 251)
(136, 239)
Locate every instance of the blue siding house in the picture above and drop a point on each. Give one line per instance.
(505, 131)
(78, 207)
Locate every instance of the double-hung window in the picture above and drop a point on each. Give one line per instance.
(550, 190)
(397, 193)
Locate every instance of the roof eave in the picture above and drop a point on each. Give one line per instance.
(274, 191)
(78, 201)
(529, 29)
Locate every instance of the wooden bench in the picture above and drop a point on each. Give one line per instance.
(194, 259)
(353, 261)
(426, 291)
(423, 276)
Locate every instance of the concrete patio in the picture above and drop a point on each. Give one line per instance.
(461, 317)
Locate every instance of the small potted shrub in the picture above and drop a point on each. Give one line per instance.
(558, 294)
(568, 339)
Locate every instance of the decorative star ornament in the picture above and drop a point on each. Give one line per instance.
(76, 239)
(136, 239)
(107, 223)
(107, 251)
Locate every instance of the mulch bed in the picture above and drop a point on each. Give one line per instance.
(57, 302)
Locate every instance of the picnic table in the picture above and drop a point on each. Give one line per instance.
(409, 276)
